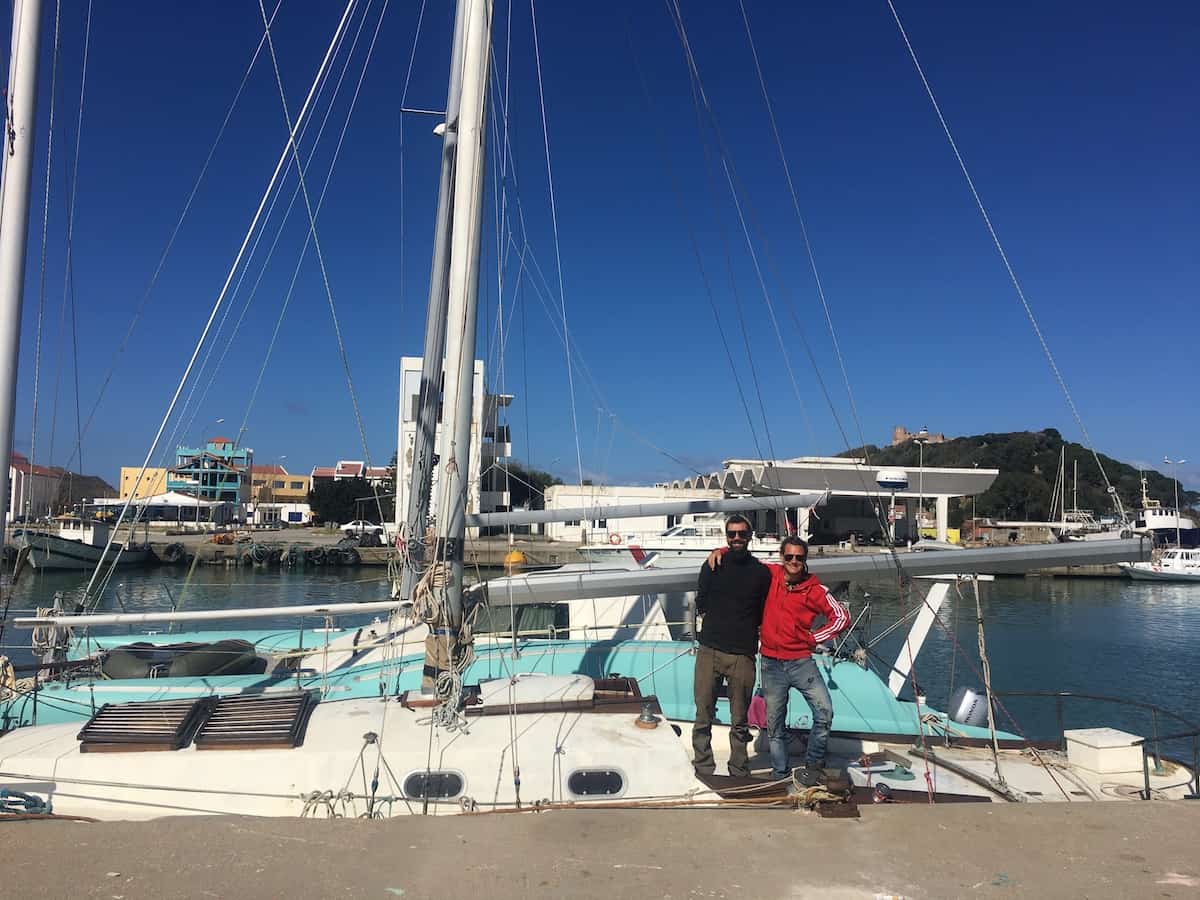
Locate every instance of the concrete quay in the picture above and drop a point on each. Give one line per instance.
(488, 552)
(1110, 571)
(1095, 850)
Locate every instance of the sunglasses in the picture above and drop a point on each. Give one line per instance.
(794, 557)
(739, 534)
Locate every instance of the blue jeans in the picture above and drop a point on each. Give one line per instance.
(778, 676)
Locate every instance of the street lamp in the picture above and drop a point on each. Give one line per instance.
(1175, 464)
(922, 439)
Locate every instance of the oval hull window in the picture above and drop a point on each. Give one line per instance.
(596, 783)
(433, 785)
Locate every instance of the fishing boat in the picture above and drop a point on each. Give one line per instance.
(1176, 564)
(79, 543)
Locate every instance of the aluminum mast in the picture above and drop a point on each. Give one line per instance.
(19, 127)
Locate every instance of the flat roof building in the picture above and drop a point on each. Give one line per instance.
(861, 496)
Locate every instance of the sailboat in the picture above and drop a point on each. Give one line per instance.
(416, 714)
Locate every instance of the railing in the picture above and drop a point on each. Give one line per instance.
(1156, 739)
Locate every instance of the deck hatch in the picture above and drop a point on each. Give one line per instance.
(257, 721)
(143, 726)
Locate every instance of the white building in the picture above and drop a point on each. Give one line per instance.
(489, 442)
(860, 496)
(279, 513)
(572, 496)
(31, 489)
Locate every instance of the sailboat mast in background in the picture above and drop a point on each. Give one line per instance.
(19, 126)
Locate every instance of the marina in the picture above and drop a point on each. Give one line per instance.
(937, 643)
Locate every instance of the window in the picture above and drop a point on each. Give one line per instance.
(595, 782)
(433, 785)
(602, 523)
(296, 485)
(572, 523)
(276, 484)
(686, 532)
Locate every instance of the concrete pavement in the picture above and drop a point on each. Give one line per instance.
(1111, 849)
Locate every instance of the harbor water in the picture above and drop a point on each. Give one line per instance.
(1097, 636)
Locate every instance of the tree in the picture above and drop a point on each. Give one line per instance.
(342, 501)
(526, 486)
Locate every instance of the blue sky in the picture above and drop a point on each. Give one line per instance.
(1078, 122)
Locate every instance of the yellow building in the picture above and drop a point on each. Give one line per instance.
(273, 484)
(153, 482)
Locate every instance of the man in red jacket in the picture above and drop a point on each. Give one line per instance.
(786, 645)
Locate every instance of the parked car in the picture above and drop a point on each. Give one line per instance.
(361, 526)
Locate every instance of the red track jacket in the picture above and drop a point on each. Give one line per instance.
(790, 610)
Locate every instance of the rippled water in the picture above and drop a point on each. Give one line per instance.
(1110, 637)
(1101, 636)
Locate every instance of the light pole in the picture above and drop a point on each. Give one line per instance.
(974, 513)
(1175, 464)
(922, 439)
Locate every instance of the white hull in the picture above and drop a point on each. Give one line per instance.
(1144, 572)
(50, 552)
(560, 733)
(1176, 564)
(330, 772)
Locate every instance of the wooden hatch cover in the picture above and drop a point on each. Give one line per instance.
(147, 725)
(257, 721)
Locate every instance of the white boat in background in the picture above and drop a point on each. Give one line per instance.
(1165, 523)
(687, 544)
(1171, 565)
(79, 544)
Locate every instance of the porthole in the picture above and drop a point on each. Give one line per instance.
(596, 783)
(433, 785)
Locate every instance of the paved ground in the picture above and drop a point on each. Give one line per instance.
(1057, 850)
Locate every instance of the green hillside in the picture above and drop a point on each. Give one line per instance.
(1028, 462)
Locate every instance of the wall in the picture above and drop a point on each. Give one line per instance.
(410, 384)
(567, 496)
(153, 482)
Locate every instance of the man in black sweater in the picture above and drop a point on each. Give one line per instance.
(731, 600)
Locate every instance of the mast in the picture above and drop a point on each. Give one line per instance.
(19, 125)
(1075, 489)
(454, 449)
(416, 511)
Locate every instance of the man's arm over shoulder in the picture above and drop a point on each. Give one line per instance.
(836, 617)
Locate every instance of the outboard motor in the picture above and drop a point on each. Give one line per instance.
(969, 707)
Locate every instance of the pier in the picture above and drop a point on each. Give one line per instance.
(485, 552)
(1096, 850)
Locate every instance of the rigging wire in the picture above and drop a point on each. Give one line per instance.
(69, 273)
(8, 594)
(700, 96)
(808, 249)
(184, 423)
(537, 55)
(739, 305)
(317, 248)
(37, 346)
(166, 252)
(320, 201)
(870, 489)
(192, 406)
(1008, 267)
(695, 245)
(221, 296)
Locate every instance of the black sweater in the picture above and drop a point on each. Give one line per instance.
(731, 599)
